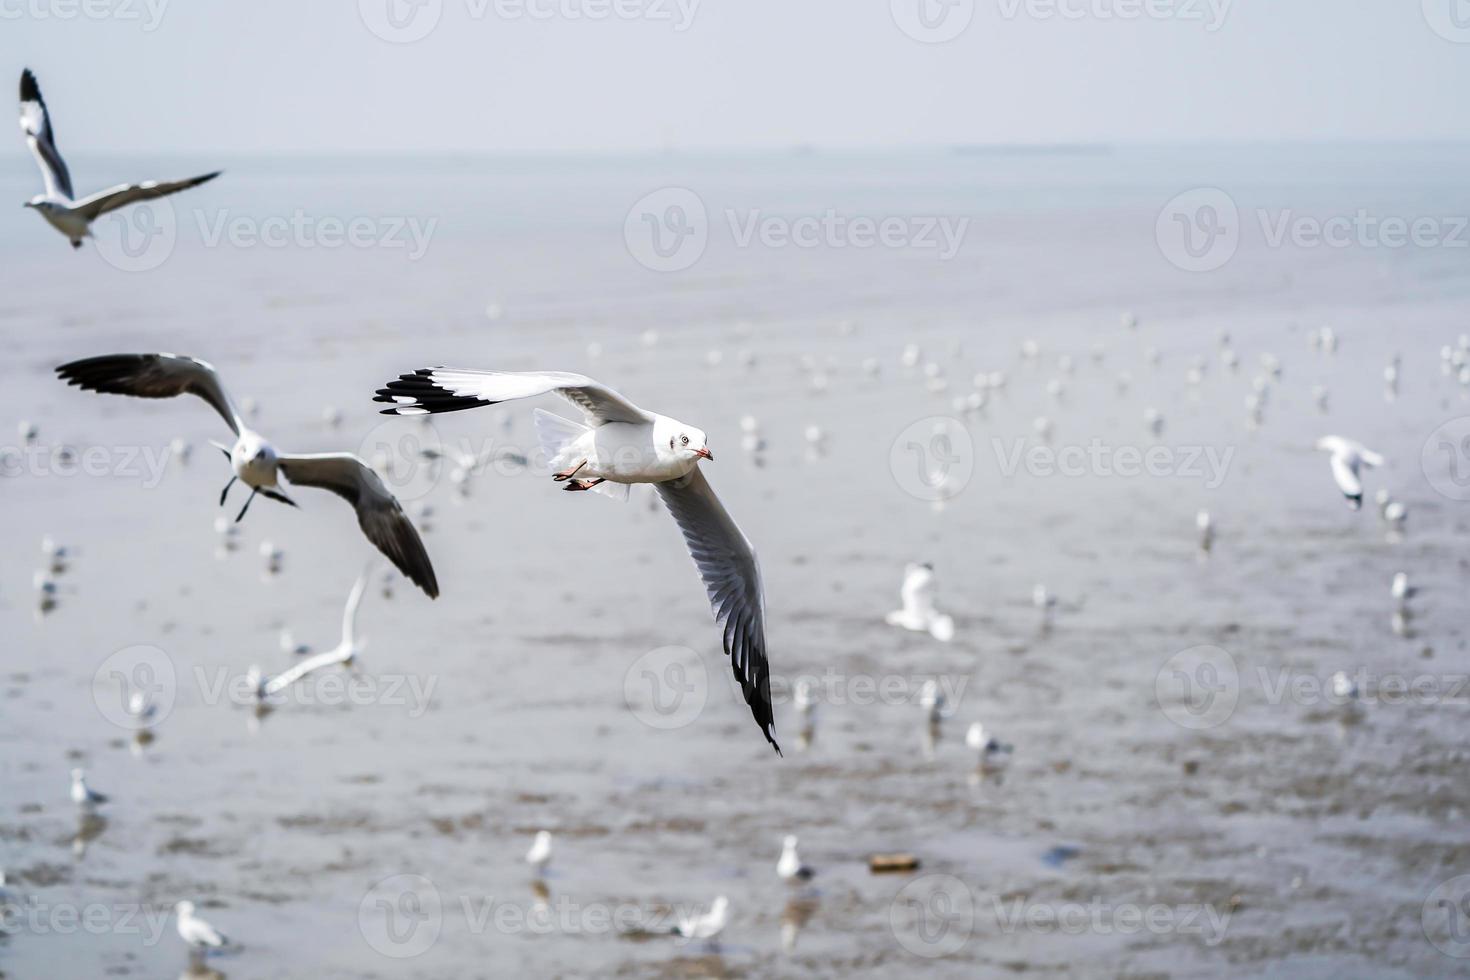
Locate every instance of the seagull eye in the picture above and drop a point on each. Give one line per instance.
(683, 440)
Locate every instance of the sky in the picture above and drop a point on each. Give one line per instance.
(514, 76)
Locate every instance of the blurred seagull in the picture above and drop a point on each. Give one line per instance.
(194, 930)
(706, 926)
(1206, 526)
(805, 699)
(73, 218)
(539, 856)
(990, 754)
(82, 794)
(918, 613)
(344, 654)
(932, 700)
(617, 445)
(1348, 457)
(1401, 590)
(789, 867)
(256, 462)
(141, 708)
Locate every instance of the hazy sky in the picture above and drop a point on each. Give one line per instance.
(310, 76)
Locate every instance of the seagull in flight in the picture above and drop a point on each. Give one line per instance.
(619, 444)
(73, 218)
(918, 613)
(344, 654)
(705, 926)
(256, 462)
(1348, 458)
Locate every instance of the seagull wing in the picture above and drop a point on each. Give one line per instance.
(432, 390)
(320, 661)
(732, 577)
(354, 602)
(35, 122)
(378, 512)
(153, 376)
(94, 206)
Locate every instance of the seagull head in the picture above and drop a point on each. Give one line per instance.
(77, 775)
(184, 909)
(688, 443)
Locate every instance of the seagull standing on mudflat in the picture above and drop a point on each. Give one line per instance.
(256, 462)
(617, 445)
(73, 218)
(194, 930)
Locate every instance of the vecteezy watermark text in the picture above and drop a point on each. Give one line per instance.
(1209, 465)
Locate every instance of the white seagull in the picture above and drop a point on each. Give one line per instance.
(256, 462)
(989, 753)
(619, 445)
(1206, 526)
(194, 930)
(789, 867)
(706, 926)
(344, 654)
(82, 794)
(73, 218)
(918, 613)
(539, 856)
(1348, 457)
(932, 700)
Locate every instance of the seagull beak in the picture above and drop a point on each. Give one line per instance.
(705, 454)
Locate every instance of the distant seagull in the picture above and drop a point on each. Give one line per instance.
(789, 867)
(194, 930)
(918, 613)
(707, 925)
(71, 217)
(256, 462)
(1343, 687)
(1401, 590)
(141, 708)
(28, 431)
(539, 856)
(932, 700)
(1154, 421)
(82, 794)
(617, 445)
(990, 754)
(805, 699)
(344, 654)
(289, 645)
(1044, 601)
(1206, 526)
(1348, 457)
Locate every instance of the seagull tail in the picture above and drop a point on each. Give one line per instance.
(556, 434)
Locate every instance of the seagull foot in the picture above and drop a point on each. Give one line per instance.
(566, 475)
(582, 484)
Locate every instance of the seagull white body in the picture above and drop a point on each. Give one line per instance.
(708, 925)
(918, 613)
(539, 856)
(1348, 459)
(805, 699)
(74, 217)
(1401, 590)
(1206, 527)
(140, 708)
(255, 462)
(1343, 687)
(789, 866)
(194, 930)
(620, 444)
(82, 794)
(344, 654)
(989, 753)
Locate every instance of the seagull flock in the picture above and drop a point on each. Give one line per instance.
(613, 446)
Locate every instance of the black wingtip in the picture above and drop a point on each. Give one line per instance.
(29, 90)
(419, 392)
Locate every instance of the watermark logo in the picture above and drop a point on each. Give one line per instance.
(667, 230)
(1207, 465)
(135, 687)
(401, 916)
(666, 688)
(1198, 688)
(933, 916)
(1210, 14)
(933, 459)
(932, 21)
(137, 238)
(1450, 19)
(401, 450)
(400, 21)
(302, 230)
(1199, 230)
(1445, 459)
(1445, 917)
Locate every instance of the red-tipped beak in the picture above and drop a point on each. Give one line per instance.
(705, 454)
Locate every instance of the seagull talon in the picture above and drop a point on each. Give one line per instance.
(568, 474)
(582, 484)
(223, 493)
